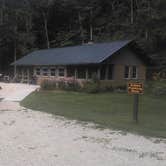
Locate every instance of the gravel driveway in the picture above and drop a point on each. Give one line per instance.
(32, 138)
(12, 93)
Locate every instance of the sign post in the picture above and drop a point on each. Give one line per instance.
(135, 89)
(135, 107)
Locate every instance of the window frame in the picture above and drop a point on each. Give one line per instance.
(36, 71)
(136, 72)
(81, 73)
(55, 72)
(45, 71)
(130, 72)
(111, 71)
(59, 72)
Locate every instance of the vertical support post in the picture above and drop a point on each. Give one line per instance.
(22, 75)
(65, 68)
(86, 73)
(28, 76)
(56, 71)
(98, 73)
(135, 108)
(106, 72)
(75, 73)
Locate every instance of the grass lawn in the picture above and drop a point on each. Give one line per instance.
(112, 110)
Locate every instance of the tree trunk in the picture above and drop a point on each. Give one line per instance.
(15, 53)
(132, 11)
(46, 30)
(2, 12)
(81, 27)
(28, 23)
(91, 27)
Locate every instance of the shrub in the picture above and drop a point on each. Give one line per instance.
(48, 84)
(62, 84)
(157, 88)
(91, 87)
(75, 86)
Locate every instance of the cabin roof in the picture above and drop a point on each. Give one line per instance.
(74, 55)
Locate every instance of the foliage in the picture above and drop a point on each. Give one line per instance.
(34, 24)
(48, 85)
(61, 84)
(156, 88)
(91, 87)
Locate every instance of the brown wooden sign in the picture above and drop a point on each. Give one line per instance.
(135, 88)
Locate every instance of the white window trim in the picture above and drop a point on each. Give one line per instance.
(134, 78)
(36, 71)
(59, 72)
(55, 71)
(48, 71)
(130, 73)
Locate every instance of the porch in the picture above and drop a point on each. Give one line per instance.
(38, 73)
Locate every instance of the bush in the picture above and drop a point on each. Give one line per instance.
(157, 88)
(94, 86)
(48, 84)
(62, 84)
(91, 87)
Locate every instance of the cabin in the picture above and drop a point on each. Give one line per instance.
(113, 61)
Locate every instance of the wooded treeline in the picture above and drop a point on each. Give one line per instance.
(27, 25)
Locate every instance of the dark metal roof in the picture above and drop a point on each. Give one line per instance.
(84, 54)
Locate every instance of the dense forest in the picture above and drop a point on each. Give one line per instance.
(28, 25)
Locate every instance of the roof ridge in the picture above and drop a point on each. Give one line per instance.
(85, 44)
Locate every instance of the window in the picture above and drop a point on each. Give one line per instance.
(130, 72)
(103, 72)
(134, 72)
(127, 72)
(92, 72)
(81, 73)
(45, 71)
(53, 72)
(61, 72)
(38, 72)
(70, 71)
(110, 71)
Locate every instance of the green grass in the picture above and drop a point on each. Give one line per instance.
(112, 110)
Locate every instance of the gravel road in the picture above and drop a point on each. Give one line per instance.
(32, 138)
